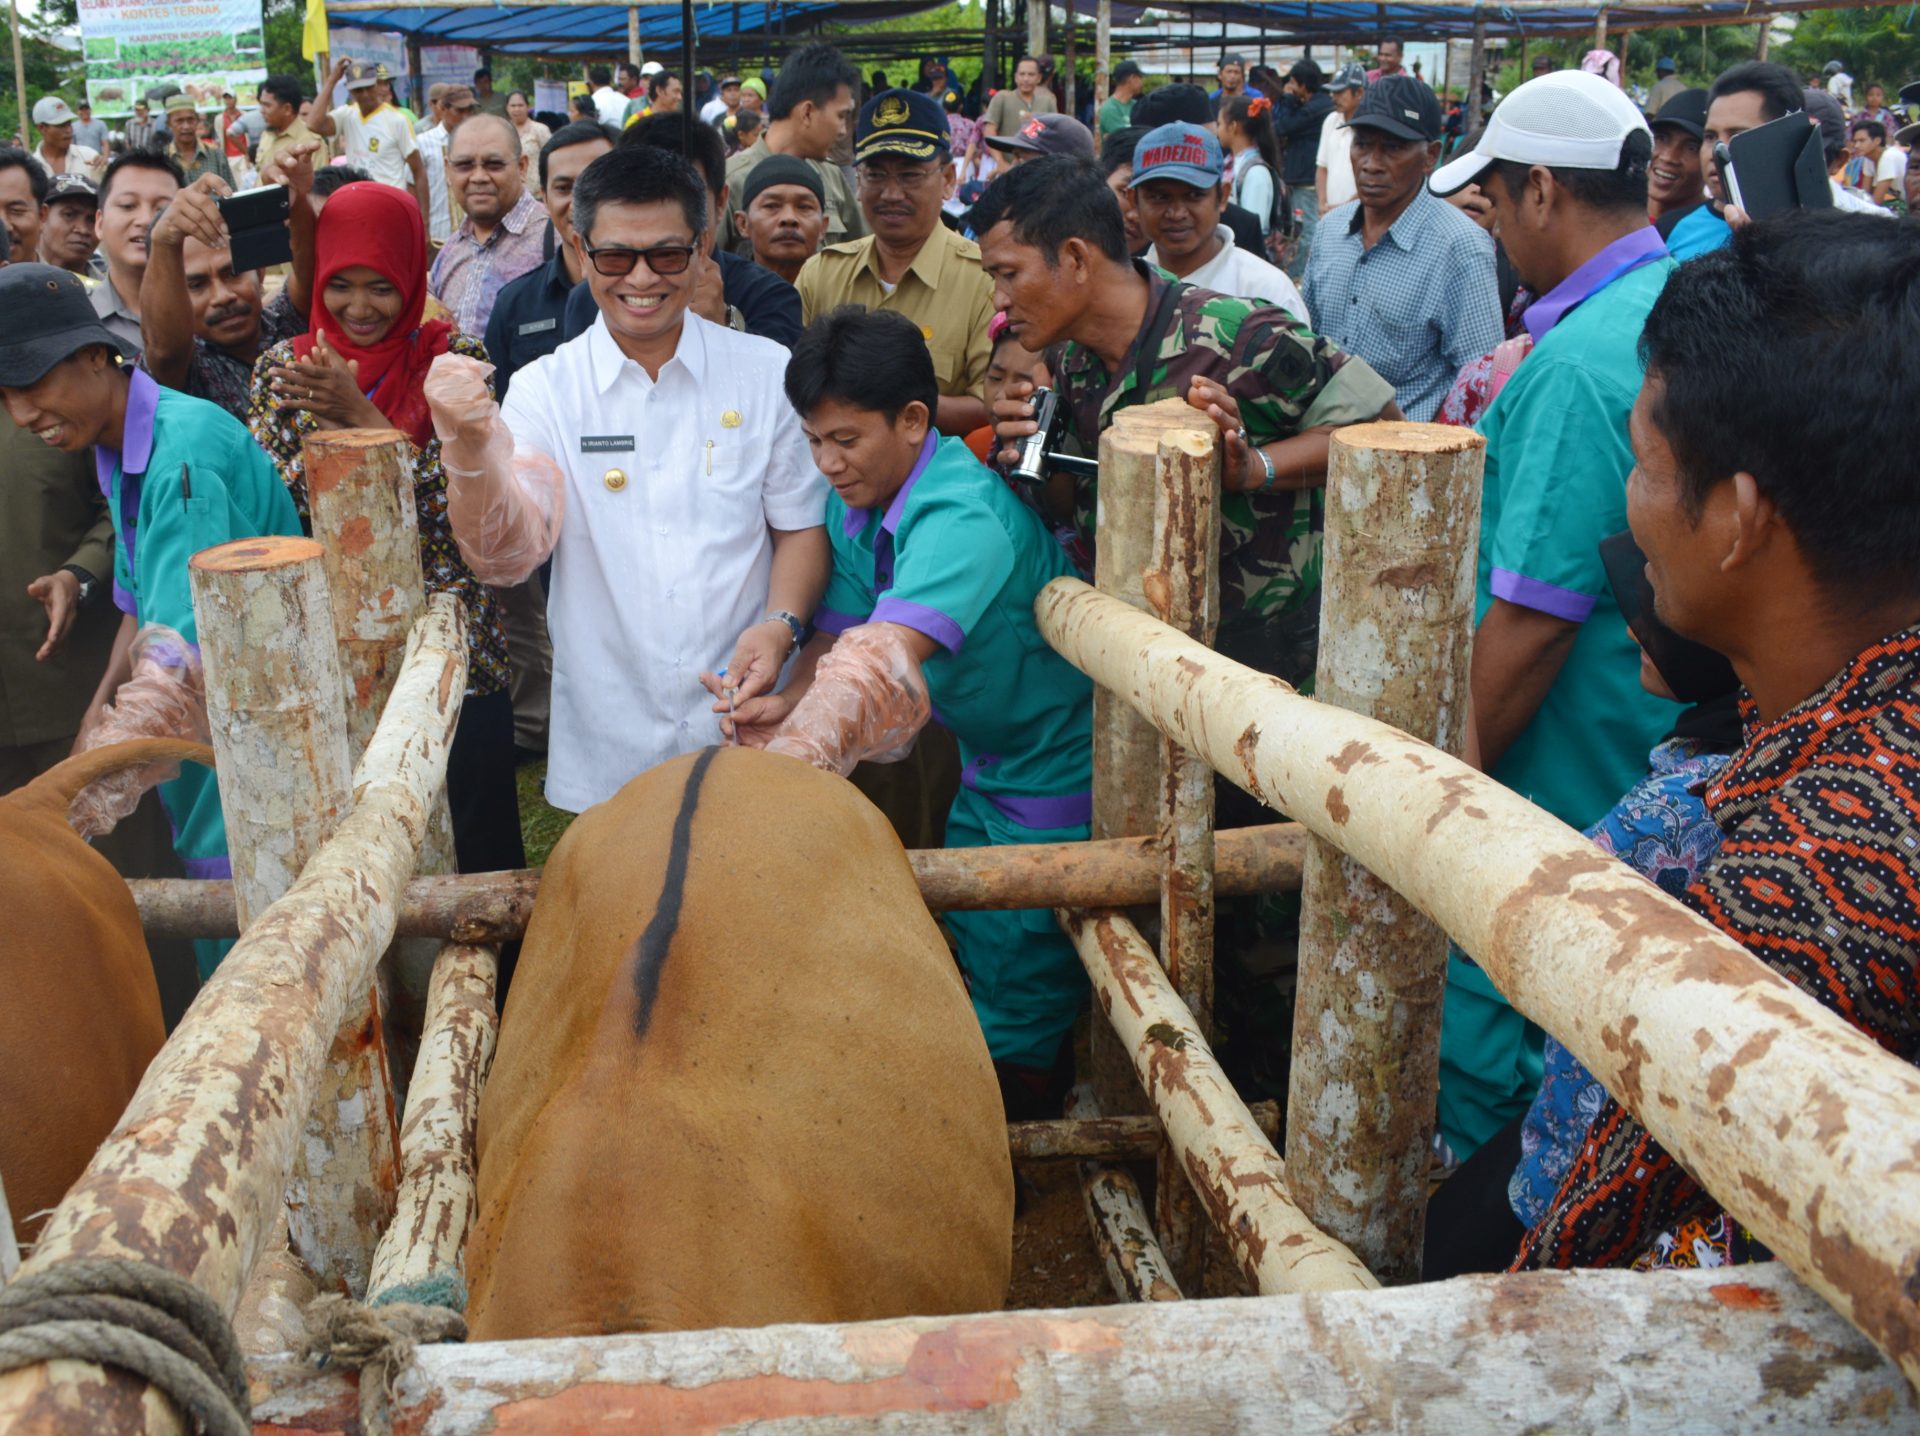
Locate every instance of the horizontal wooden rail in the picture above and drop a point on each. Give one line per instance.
(494, 907)
(1804, 1128)
(1108, 1139)
(1572, 1351)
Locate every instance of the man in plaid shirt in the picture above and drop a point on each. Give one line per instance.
(505, 232)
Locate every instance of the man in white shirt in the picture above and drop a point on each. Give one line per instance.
(1179, 193)
(1333, 163)
(726, 100)
(373, 136)
(451, 106)
(656, 458)
(57, 153)
(608, 102)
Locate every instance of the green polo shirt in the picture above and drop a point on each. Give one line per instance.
(958, 557)
(1555, 485)
(187, 477)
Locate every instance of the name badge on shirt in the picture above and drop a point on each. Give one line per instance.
(606, 443)
(538, 326)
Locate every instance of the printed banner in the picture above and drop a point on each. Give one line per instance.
(205, 47)
(550, 95)
(448, 64)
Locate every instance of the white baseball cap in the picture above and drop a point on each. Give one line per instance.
(1567, 120)
(650, 69)
(51, 110)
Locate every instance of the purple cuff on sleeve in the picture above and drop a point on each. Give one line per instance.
(124, 601)
(1545, 597)
(828, 620)
(208, 868)
(917, 616)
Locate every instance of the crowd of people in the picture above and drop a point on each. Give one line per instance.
(714, 399)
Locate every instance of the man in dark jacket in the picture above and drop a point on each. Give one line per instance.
(1297, 119)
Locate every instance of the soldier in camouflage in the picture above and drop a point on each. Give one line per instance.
(1052, 239)
(1119, 333)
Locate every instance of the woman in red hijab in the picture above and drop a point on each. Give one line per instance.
(360, 366)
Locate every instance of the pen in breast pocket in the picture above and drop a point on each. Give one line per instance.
(186, 484)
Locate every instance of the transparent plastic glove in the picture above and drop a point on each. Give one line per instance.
(867, 703)
(165, 698)
(505, 507)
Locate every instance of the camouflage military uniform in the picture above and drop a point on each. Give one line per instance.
(1286, 379)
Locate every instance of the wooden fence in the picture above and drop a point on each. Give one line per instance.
(1804, 1129)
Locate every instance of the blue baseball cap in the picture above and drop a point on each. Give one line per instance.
(1186, 153)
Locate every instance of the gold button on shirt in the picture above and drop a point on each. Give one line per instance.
(945, 291)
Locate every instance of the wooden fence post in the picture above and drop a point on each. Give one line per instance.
(1402, 531)
(286, 781)
(1183, 591)
(360, 487)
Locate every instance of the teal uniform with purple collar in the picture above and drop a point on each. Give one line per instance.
(187, 477)
(957, 557)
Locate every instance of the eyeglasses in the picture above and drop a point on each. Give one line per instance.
(663, 259)
(875, 179)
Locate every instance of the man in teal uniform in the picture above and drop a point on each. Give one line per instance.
(936, 564)
(180, 475)
(1559, 714)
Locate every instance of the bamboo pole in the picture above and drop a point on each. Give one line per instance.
(1691, 1351)
(1233, 1167)
(436, 1205)
(273, 701)
(1802, 1127)
(20, 83)
(1069, 80)
(192, 1178)
(1182, 589)
(1402, 528)
(633, 45)
(494, 907)
(1036, 27)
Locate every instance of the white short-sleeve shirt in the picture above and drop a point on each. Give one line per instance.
(1336, 156)
(378, 143)
(1245, 276)
(674, 487)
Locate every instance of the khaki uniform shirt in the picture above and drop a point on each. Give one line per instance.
(945, 291)
(844, 220)
(296, 133)
(51, 514)
(1006, 111)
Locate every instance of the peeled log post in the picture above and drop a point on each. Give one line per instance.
(273, 701)
(1402, 528)
(1693, 1351)
(191, 1178)
(1801, 1126)
(1136, 1264)
(1233, 1167)
(428, 1235)
(1126, 749)
(1183, 590)
(360, 485)
(494, 907)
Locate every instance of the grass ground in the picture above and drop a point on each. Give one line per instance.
(540, 825)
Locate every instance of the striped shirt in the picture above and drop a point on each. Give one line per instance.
(469, 272)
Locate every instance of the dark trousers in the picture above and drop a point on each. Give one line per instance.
(483, 799)
(1470, 1223)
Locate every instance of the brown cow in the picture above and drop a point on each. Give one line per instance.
(738, 1078)
(79, 1009)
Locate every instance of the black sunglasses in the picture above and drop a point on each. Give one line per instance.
(663, 259)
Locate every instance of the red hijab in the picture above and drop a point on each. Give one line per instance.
(379, 226)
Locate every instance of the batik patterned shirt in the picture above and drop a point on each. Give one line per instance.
(282, 431)
(1286, 379)
(1819, 878)
(1660, 829)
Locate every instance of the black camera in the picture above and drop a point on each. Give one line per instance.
(1040, 451)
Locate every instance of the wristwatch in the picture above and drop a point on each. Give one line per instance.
(89, 585)
(794, 626)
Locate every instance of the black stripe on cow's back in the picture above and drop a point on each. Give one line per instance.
(650, 950)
